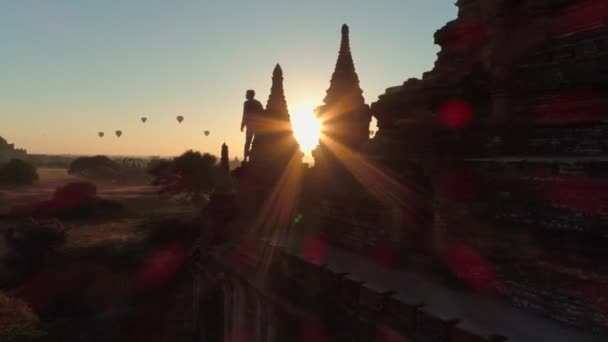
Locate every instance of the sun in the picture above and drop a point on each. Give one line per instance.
(306, 128)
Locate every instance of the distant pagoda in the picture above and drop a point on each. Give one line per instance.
(224, 180)
(224, 161)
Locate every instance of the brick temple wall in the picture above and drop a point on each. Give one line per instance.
(520, 207)
(540, 228)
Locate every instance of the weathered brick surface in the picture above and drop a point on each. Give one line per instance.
(543, 232)
(462, 334)
(585, 140)
(354, 226)
(403, 314)
(523, 188)
(431, 327)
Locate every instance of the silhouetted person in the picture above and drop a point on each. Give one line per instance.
(252, 110)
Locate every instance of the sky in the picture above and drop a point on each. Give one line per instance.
(72, 68)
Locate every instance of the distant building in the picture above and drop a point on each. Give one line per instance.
(8, 151)
(235, 163)
(224, 161)
(224, 186)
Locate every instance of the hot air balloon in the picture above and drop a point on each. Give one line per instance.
(100, 134)
(118, 133)
(206, 133)
(180, 118)
(144, 119)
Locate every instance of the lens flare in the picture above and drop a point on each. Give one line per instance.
(306, 128)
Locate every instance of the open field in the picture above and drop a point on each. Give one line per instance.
(131, 270)
(140, 199)
(49, 180)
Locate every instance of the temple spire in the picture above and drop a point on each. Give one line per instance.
(345, 115)
(276, 107)
(344, 86)
(274, 142)
(224, 162)
(345, 42)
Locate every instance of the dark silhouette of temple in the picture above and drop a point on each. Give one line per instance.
(344, 115)
(274, 144)
(224, 159)
(509, 130)
(274, 154)
(476, 213)
(8, 151)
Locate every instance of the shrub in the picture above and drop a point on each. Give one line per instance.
(192, 174)
(28, 244)
(74, 193)
(76, 200)
(17, 320)
(18, 172)
(95, 167)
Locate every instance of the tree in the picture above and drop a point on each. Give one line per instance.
(18, 172)
(190, 174)
(154, 162)
(74, 193)
(96, 166)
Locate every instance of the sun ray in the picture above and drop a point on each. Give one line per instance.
(274, 222)
(306, 128)
(390, 190)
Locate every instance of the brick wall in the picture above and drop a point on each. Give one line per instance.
(541, 228)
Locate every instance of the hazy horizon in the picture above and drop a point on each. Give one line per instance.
(73, 68)
(141, 156)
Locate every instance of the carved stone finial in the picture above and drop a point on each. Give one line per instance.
(277, 70)
(276, 106)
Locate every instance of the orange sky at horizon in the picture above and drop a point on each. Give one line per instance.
(71, 69)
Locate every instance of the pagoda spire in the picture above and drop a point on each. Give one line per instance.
(224, 162)
(344, 85)
(276, 107)
(274, 142)
(345, 115)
